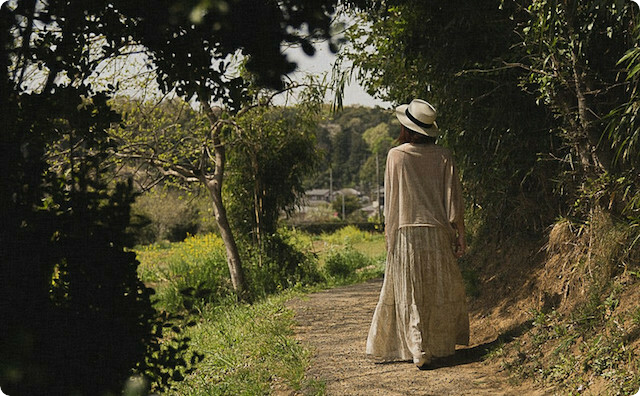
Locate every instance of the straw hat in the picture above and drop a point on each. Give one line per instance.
(419, 116)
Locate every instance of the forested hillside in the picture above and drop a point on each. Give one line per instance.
(348, 141)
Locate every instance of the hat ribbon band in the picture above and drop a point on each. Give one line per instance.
(417, 121)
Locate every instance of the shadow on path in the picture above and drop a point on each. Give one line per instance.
(479, 352)
(335, 323)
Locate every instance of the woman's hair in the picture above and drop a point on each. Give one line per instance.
(410, 136)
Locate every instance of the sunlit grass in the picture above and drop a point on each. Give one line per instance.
(248, 349)
(371, 245)
(197, 264)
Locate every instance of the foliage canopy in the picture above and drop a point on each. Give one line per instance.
(531, 91)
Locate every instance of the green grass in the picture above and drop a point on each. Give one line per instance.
(247, 349)
(186, 273)
(349, 265)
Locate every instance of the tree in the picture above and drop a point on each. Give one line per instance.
(77, 322)
(193, 154)
(573, 50)
(448, 54)
(192, 148)
(269, 159)
(266, 150)
(345, 205)
(573, 64)
(379, 141)
(555, 63)
(191, 48)
(340, 138)
(76, 318)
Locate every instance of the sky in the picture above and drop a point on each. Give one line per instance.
(322, 62)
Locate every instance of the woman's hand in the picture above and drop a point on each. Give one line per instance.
(461, 243)
(461, 246)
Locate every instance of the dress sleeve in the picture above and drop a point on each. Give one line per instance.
(453, 194)
(391, 198)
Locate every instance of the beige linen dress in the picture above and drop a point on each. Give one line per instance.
(422, 308)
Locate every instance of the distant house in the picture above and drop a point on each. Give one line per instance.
(317, 195)
(346, 192)
(370, 210)
(349, 191)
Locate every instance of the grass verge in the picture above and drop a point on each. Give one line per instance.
(248, 350)
(242, 349)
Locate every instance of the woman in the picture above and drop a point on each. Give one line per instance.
(422, 309)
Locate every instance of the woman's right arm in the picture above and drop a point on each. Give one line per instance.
(461, 243)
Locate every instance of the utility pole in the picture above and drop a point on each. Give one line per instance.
(330, 183)
(378, 188)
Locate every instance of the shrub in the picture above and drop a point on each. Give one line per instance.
(281, 264)
(167, 214)
(75, 317)
(346, 236)
(342, 264)
(187, 274)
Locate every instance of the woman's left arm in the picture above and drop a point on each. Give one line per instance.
(456, 208)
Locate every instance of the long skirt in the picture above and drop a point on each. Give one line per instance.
(422, 309)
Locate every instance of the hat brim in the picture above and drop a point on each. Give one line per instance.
(404, 120)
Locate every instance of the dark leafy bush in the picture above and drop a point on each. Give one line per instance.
(343, 264)
(168, 214)
(279, 266)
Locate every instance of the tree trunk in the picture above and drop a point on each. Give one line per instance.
(214, 185)
(233, 256)
(589, 142)
(600, 157)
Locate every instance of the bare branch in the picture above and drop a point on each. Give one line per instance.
(507, 66)
(493, 70)
(165, 167)
(180, 174)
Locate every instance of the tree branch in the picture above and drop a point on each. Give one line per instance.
(162, 166)
(26, 41)
(507, 66)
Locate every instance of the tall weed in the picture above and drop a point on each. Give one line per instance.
(193, 272)
(248, 350)
(348, 265)
(239, 348)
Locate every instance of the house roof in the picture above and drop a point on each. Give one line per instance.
(349, 191)
(317, 191)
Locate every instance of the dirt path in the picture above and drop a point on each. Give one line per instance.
(335, 323)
